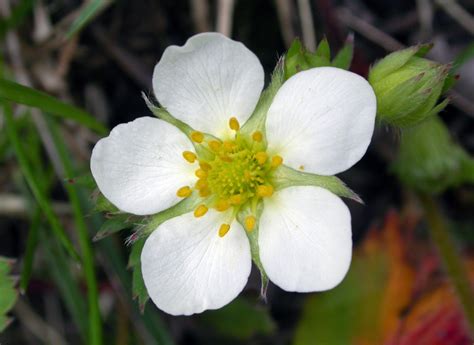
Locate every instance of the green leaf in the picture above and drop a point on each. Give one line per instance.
(343, 59)
(134, 258)
(25, 95)
(333, 317)
(298, 59)
(138, 285)
(239, 320)
(113, 225)
(102, 204)
(253, 239)
(285, 177)
(8, 293)
(323, 49)
(89, 11)
(256, 122)
(138, 288)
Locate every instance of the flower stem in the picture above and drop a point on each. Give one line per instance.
(453, 264)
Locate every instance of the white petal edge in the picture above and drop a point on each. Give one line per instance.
(139, 166)
(208, 80)
(322, 120)
(187, 268)
(305, 239)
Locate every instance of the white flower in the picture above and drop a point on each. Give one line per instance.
(320, 121)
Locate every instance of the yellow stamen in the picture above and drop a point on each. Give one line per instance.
(224, 229)
(200, 184)
(204, 192)
(236, 199)
(222, 205)
(184, 192)
(205, 166)
(261, 157)
(276, 161)
(200, 211)
(257, 136)
(215, 145)
(189, 156)
(250, 222)
(228, 145)
(197, 137)
(264, 191)
(234, 124)
(201, 173)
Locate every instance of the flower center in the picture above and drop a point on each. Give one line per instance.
(233, 174)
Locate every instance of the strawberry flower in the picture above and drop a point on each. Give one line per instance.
(228, 174)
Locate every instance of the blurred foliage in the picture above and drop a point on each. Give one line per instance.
(392, 295)
(8, 293)
(429, 160)
(88, 12)
(238, 320)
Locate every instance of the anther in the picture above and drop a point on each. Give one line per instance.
(250, 222)
(205, 166)
(189, 156)
(261, 157)
(222, 205)
(200, 211)
(184, 192)
(201, 173)
(200, 184)
(224, 229)
(264, 191)
(257, 136)
(204, 192)
(236, 199)
(276, 161)
(234, 124)
(215, 145)
(228, 145)
(197, 137)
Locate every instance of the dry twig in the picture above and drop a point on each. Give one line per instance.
(225, 12)
(307, 24)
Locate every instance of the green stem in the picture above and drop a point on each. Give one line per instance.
(449, 256)
(95, 324)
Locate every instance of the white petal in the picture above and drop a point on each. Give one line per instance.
(139, 166)
(188, 268)
(208, 80)
(305, 239)
(322, 119)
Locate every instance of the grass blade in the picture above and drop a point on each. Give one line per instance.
(95, 323)
(25, 95)
(88, 13)
(39, 195)
(31, 245)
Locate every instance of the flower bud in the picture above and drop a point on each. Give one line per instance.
(408, 86)
(429, 160)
